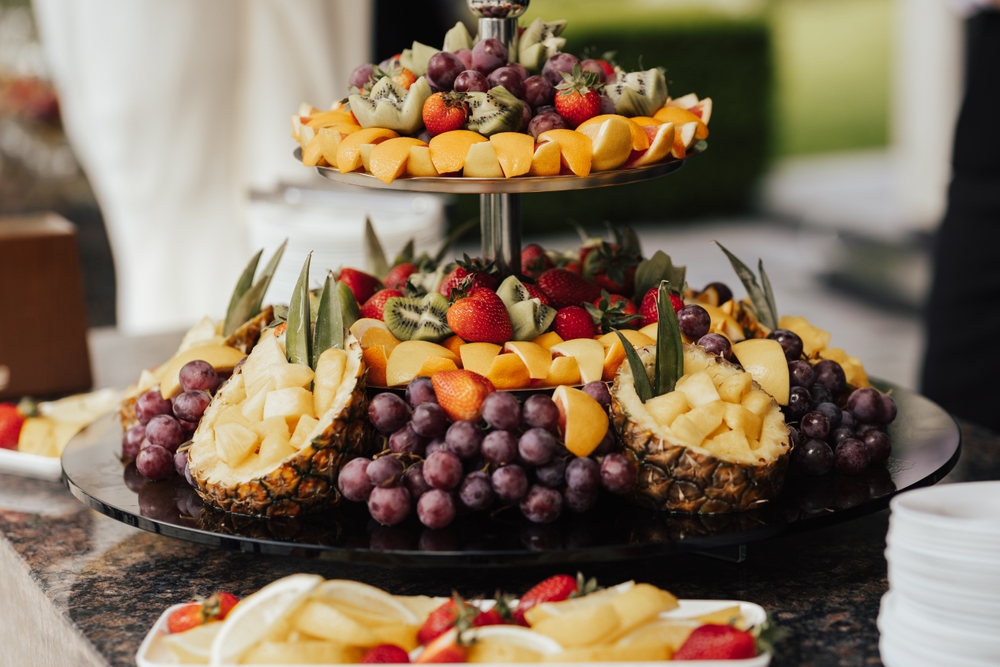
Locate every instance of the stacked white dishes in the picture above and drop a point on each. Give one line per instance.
(943, 604)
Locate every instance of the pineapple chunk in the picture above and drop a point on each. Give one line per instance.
(290, 403)
(329, 376)
(253, 407)
(257, 368)
(686, 432)
(732, 446)
(707, 417)
(233, 415)
(757, 402)
(275, 447)
(302, 430)
(722, 429)
(291, 375)
(301, 652)
(268, 426)
(234, 442)
(236, 390)
(665, 408)
(733, 388)
(738, 417)
(698, 389)
(695, 363)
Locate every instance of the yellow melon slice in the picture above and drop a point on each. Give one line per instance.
(575, 149)
(536, 358)
(420, 163)
(481, 162)
(329, 141)
(388, 159)
(546, 160)
(313, 152)
(684, 138)
(434, 365)
(508, 372)
(408, 358)
(515, 151)
(454, 343)
(611, 142)
(330, 118)
(448, 149)
(477, 357)
(547, 340)
(639, 139)
(349, 150)
(366, 157)
(679, 116)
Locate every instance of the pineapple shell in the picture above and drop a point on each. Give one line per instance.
(305, 481)
(677, 478)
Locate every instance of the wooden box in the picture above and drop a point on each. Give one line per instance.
(43, 335)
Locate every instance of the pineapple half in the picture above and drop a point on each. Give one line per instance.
(717, 443)
(267, 445)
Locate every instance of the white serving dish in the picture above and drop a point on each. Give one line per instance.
(152, 652)
(23, 464)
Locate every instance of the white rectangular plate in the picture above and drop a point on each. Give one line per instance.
(152, 653)
(23, 464)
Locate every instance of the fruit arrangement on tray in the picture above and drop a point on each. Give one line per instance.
(498, 401)
(303, 619)
(477, 110)
(44, 428)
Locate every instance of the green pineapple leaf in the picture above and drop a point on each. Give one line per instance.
(639, 378)
(243, 285)
(374, 252)
(659, 267)
(250, 300)
(406, 254)
(297, 335)
(761, 304)
(669, 345)
(348, 305)
(768, 292)
(329, 321)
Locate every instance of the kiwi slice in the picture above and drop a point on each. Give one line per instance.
(418, 318)
(512, 291)
(530, 318)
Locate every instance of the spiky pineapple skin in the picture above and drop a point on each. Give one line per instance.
(675, 478)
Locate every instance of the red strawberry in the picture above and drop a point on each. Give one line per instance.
(375, 306)
(648, 308)
(534, 261)
(553, 589)
(498, 614)
(574, 267)
(445, 648)
(440, 620)
(609, 69)
(11, 421)
(565, 288)
(611, 267)
(613, 311)
(478, 273)
(397, 276)
(480, 317)
(617, 300)
(717, 642)
(444, 112)
(214, 608)
(385, 653)
(579, 98)
(361, 284)
(536, 293)
(574, 322)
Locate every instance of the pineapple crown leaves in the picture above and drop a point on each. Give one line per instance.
(761, 295)
(304, 343)
(579, 82)
(610, 314)
(650, 272)
(374, 252)
(248, 296)
(669, 364)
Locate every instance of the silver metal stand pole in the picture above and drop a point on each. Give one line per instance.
(498, 19)
(500, 221)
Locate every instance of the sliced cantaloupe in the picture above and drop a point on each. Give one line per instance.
(448, 149)
(349, 150)
(478, 357)
(611, 142)
(575, 150)
(546, 160)
(388, 159)
(536, 358)
(515, 151)
(508, 372)
(481, 162)
(420, 164)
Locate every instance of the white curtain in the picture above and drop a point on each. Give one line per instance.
(176, 109)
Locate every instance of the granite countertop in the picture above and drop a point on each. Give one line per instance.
(80, 588)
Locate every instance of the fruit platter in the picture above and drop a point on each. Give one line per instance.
(302, 619)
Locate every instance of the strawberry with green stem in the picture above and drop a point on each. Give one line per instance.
(613, 311)
(444, 112)
(202, 611)
(579, 96)
(480, 317)
(468, 273)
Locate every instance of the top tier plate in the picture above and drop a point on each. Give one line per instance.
(521, 185)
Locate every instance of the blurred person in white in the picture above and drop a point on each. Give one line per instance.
(176, 110)
(962, 362)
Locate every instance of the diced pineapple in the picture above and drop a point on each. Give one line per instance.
(236, 390)
(329, 376)
(275, 447)
(234, 442)
(666, 407)
(291, 375)
(268, 426)
(686, 432)
(738, 417)
(732, 446)
(695, 363)
(234, 415)
(302, 430)
(698, 388)
(301, 652)
(757, 402)
(290, 403)
(733, 388)
(257, 368)
(253, 407)
(708, 416)
(723, 428)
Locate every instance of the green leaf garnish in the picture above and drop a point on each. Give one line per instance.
(659, 267)
(639, 378)
(329, 321)
(762, 304)
(348, 305)
(249, 302)
(768, 293)
(669, 345)
(630, 242)
(406, 254)
(374, 252)
(297, 335)
(242, 286)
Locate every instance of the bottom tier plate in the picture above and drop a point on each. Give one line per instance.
(926, 443)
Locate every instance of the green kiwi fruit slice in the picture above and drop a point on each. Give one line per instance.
(418, 318)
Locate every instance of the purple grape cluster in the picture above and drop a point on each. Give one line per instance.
(164, 425)
(512, 457)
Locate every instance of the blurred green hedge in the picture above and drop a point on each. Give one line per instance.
(727, 60)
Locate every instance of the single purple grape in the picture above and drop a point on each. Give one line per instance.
(583, 475)
(847, 418)
(387, 412)
(552, 474)
(406, 441)
(832, 412)
(801, 374)
(694, 321)
(888, 413)
(198, 375)
(189, 427)
(790, 342)
(879, 446)
(151, 403)
(537, 91)
(488, 54)
(537, 446)
(165, 431)
(181, 463)
(526, 116)
(155, 463)
(521, 70)
(839, 434)
(499, 447)
(556, 65)
(591, 65)
(465, 55)
(360, 76)
(132, 442)
(475, 492)
(389, 505)
(618, 473)
(509, 482)
(831, 375)
(438, 444)
(353, 480)
(717, 344)
(464, 439)
(606, 445)
(442, 69)
(541, 504)
(429, 420)
(540, 411)
(471, 81)
(813, 457)
(190, 405)
(851, 457)
(420, 390)
(543, 122)
(413, 480)
(385, 471)
(578, 501)
(865, 427)
(548, 108)
(598, 391)
(502, 411)
(443, 470)
(865, 404)
(436, 509)
(820, 394)
(815, 425)
(509, 78)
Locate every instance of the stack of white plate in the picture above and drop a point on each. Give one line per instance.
(943, 604)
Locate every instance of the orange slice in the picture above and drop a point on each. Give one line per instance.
(478, 357)
(388, 159)
(482, 162)
(684, 138)
(582, 420)
(434, 365)
(454, 344)
(661, 143)
(420, 163)
(376, 360)
(611, 141)
(328, 118)
(508, 372)
(575, 149)
(536, 358)
(547, 340)
(545, 161)
(644, 121)
(639, 139)
(515, 152)
(679, 116)
(564, 371)
(313, 152)
(448, 149)
(329, 140)
(349, 150)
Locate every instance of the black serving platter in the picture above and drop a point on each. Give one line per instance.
(926, 443)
